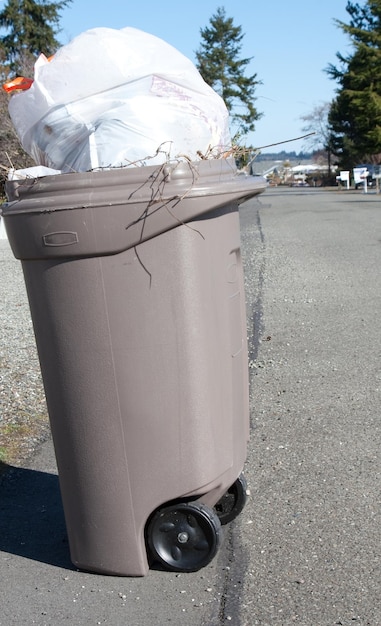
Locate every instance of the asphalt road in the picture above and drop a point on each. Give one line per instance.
(306, 549)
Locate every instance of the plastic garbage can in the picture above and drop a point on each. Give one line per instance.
(135, 284)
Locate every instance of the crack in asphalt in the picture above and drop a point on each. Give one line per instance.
(234, 576)
(257, 307)
(233, 558)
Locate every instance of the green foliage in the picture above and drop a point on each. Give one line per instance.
(355, 113)
(220, 66)
(31, 27)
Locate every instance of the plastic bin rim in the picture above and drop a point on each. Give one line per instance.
(209, 177)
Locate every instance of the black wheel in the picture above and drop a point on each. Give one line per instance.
(233, 501)
(184, 537)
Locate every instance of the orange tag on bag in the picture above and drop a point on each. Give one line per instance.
(18, 84)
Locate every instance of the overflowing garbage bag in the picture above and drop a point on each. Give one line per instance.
(114, 98)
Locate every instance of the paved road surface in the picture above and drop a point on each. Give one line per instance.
(306, 549)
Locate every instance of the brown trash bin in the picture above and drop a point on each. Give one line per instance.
(135, 284)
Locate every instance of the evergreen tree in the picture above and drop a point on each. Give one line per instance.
(355, 113)
(31, 27)
(220, 66)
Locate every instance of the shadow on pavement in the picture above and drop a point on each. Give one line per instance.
(32, 523)
(3, 468)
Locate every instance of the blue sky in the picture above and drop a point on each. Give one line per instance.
(291, 43)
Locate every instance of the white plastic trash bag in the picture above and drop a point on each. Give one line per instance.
(38, 171)
(113, 98)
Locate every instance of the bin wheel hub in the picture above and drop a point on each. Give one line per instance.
(184, 537)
